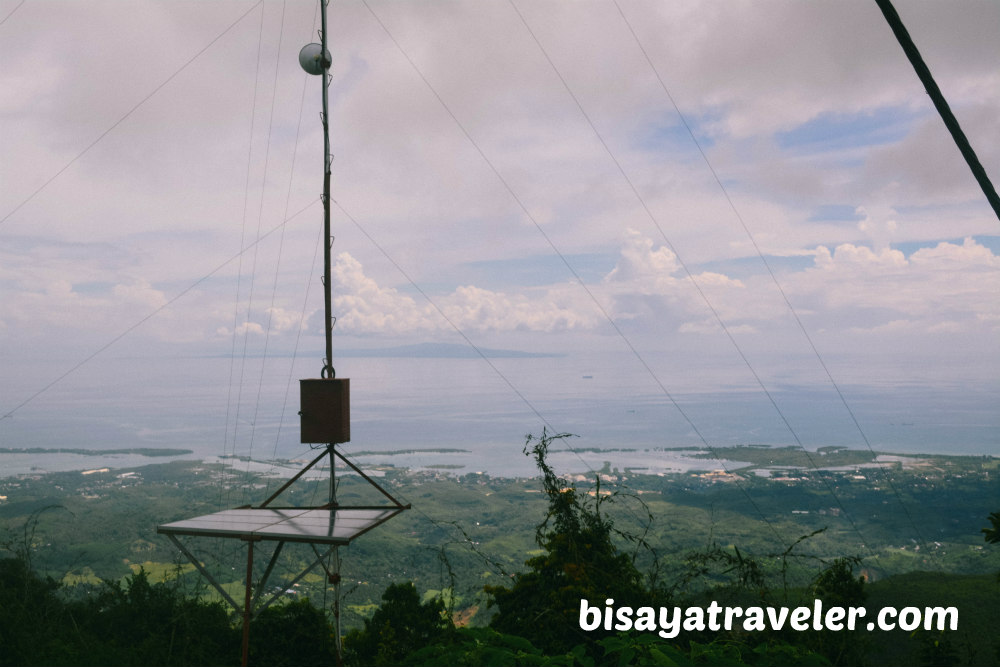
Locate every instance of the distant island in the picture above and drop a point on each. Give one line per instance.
(443, 351)
(399, 452)
(438, 351)
(139, 451)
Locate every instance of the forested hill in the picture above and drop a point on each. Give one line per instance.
(81, 584)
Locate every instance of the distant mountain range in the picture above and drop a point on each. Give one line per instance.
(441, 351)
(427, 351)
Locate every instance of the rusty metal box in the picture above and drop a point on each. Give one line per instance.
(325, 409)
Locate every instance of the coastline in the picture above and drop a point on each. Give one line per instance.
(765, 461)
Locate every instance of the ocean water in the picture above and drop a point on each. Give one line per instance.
(214, 407)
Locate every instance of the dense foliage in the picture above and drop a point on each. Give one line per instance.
(132, 624)
(590, 546)
(579, 561)
(139, 623)
(401, 625)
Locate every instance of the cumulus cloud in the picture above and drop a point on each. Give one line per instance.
(117, 233)
(649, 282)
(712, 327)
(878, 223)
(246, 329)
(642, 266)
(363, 306)
(282, 320)
(938, 289)
(945, 287)
(139, 292)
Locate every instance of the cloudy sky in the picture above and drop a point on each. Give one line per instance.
(519, 175)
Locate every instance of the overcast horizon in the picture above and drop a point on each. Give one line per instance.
(524, 167)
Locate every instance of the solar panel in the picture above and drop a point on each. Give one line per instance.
(317, 526)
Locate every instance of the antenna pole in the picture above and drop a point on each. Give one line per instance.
(328, 371)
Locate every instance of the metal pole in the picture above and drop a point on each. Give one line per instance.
(333, 477)
(328, 371)
(292, 480)
(335, 577)
(205, 573)
(267, 572)
(940, 103)
(336, 607)
(247, 601)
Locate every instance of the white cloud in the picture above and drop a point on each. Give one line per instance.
(139, 292)
(646, 283)
(175, 189)
(711, 326)
(362, 306)
(643, 267)
(282, 320)
(878, 223)
(945, 283)
(649, 282)
(892, 328)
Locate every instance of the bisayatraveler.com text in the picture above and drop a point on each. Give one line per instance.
(669, 622)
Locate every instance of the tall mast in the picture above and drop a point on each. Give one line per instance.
(325, 420)
(315, 59)
(328, 370)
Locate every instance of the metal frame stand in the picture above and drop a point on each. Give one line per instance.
(313, 525)
(325, 412)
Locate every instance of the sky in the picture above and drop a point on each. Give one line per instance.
(719, 195)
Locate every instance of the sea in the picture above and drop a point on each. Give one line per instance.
(461, 414)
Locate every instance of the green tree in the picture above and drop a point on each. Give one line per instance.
(401, 625)
(138, 623)
(992, 534)
(33, 620)
(296, 634)
(580, 562)
(485, 647)
(837, 586)
(935, 649)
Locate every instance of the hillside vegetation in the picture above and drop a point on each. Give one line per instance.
(492, 571)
